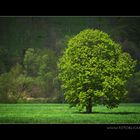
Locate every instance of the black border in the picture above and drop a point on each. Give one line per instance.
(73, 11)
(68, 131)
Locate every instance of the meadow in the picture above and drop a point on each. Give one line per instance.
(62, 114)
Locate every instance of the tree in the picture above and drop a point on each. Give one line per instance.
(41, 66)
(93, 70)
(31, 62)
(12, 85)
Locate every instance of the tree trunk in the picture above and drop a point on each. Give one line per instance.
(89, 107)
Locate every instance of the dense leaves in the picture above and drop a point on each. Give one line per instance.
(36, 79)
(12, 85)
(93, 68)
(40, 65)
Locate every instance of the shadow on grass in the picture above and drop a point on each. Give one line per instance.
(119, 113)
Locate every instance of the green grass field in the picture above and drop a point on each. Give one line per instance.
(61, 113)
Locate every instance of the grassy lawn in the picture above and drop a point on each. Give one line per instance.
(61, 113)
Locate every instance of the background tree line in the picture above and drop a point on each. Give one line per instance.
(30, 48)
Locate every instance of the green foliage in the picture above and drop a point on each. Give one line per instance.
(11, 85)
(94, 69)
(37, 78)
(39, 62)
(41, 66)
(30, 62)
(4, 87)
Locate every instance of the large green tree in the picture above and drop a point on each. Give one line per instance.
(94, 69)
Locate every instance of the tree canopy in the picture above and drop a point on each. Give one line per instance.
(94, 69)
